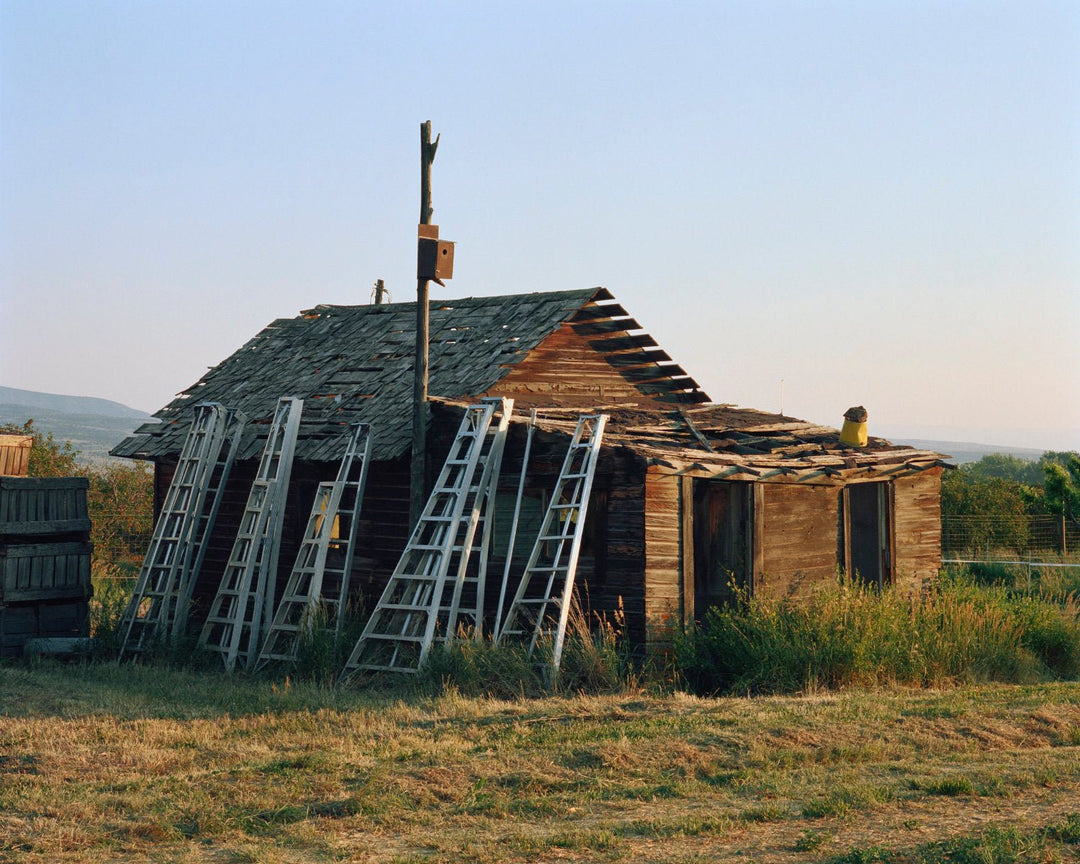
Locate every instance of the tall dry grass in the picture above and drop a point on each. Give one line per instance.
(853, 635)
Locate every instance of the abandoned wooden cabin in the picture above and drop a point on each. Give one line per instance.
(689, 496)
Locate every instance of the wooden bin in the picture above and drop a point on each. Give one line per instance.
(15, 455)
(38, 506)
(44, 572)
(21, 623)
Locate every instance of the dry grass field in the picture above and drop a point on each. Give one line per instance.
(151, 764)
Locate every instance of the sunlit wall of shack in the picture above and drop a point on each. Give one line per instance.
(689, 498)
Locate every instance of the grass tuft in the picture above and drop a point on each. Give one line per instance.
(949, 786)
(594, 660)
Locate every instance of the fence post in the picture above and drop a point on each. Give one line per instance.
(1064, 545)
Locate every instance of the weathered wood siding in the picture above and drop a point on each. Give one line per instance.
(663, 553)
(797, 529)
(917, 526)
(566, 369)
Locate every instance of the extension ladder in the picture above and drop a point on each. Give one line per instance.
(175, 554)
(430, 589)
(246, 593)
(319, 581)
(541, 605)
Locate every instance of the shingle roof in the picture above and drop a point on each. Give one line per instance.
(354, 364)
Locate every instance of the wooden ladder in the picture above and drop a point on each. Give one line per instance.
(541, 604)
(429, 590)
(245, 596)
(319, 581)
(175, 554)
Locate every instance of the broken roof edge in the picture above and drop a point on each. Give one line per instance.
(676, 451)
(587, 295)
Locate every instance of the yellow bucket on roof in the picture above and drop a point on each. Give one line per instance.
(854, 432)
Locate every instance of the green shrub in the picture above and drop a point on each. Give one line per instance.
(852, 635)
(112, 586)
(323, 648)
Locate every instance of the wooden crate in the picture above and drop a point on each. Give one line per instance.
(20, 623)
(15, 455)
(38, 506)
(44, 571)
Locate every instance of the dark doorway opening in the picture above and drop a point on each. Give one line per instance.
(723, 548)
(869, 544)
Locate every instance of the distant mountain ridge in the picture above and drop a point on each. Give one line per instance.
(91, 405)
(968, 451)
(92, 425)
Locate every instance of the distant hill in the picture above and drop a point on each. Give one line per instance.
(967, 451)
(67, 404)
(92, 425)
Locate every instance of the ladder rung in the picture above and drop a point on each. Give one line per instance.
(288, 628)
(394, 637)
(371, 667)
(404, 607)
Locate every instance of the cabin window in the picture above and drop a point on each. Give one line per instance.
(867, 532)
(723, 520)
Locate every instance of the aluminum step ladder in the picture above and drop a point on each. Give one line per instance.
(319, 582)
(541, 604)
(245, 597)
(427, 590)
(461, 608)
(158, 605)
(218, 477)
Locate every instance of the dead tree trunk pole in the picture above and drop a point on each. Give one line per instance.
(417, 481)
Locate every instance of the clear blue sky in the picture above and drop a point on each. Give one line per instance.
(878, 203)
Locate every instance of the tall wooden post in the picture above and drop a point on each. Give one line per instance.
(420, 367)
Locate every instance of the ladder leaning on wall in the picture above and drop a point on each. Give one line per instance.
(424, 598)
(319, 582)
(174, 557)
(245, 596)
(541, 605)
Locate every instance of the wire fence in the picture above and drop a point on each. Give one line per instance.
(1006, 538)
(120, 544)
